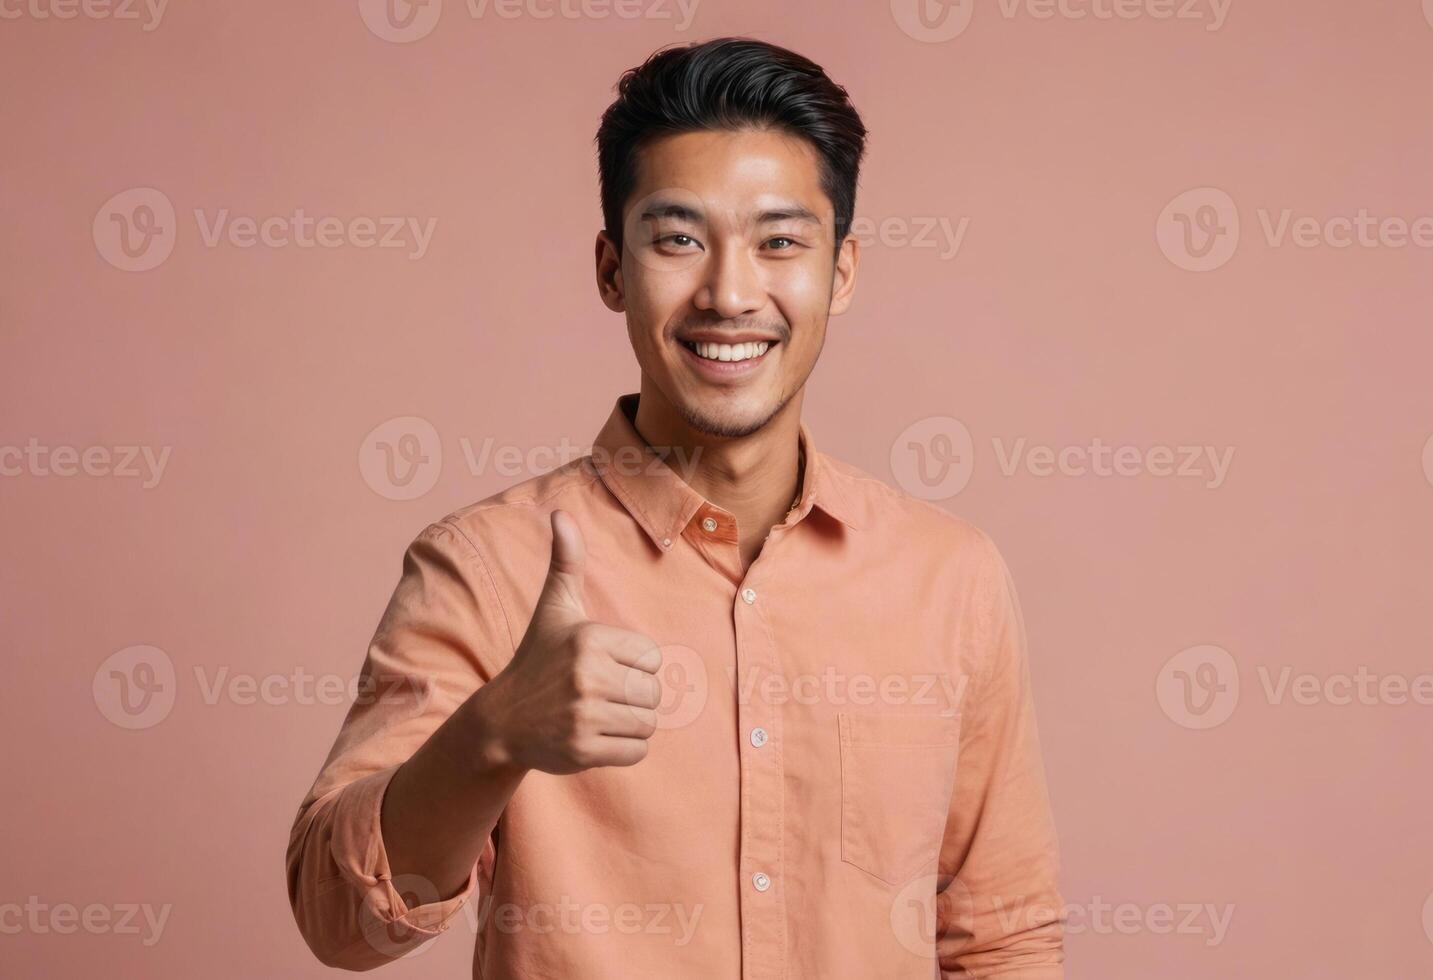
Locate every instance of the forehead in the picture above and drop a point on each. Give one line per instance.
(739, 172)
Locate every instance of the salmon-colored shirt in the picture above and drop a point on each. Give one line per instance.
(846, 780)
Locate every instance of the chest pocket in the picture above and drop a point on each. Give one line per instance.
(897, 772)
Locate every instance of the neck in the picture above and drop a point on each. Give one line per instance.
(754, 477)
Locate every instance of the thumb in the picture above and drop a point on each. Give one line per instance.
(563, 588)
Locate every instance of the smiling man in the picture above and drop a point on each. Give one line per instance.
(706, 702)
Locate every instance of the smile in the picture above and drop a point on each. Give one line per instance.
(727, 352)
(727, 363)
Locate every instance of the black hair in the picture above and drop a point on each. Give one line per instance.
(729, 83)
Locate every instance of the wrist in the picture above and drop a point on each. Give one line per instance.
(488, 750)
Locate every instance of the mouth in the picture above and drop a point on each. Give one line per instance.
(728, 362)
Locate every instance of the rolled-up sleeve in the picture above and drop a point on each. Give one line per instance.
(433, 647)
(1000, 913)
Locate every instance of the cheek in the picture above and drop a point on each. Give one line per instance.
(657, 296)
(803, 294)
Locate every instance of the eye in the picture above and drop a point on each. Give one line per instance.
(791, 242)
(685, 240)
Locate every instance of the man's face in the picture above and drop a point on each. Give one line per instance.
(728, 273)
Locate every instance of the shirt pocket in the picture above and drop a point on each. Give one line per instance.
(897, 772)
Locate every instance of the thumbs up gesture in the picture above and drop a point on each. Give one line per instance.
(578, 693)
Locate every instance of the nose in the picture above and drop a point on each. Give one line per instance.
(732, 285)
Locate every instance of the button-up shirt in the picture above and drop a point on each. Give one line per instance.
(845, 781)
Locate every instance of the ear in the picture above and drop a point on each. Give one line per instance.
(843, 285)
(609, 274)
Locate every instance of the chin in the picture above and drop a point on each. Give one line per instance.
(728, 418)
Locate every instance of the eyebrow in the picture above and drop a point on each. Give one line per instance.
(682, 212)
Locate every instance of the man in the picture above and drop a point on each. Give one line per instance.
(706, 702)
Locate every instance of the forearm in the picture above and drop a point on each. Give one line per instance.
(442, 803)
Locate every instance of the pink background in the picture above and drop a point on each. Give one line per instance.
(266, 548)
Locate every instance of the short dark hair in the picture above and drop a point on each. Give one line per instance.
(729, 83)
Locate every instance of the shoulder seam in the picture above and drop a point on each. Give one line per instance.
(450, 523)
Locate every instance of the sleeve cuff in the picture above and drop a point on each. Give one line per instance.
(396, 914)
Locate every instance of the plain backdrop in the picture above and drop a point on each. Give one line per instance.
(1192, 631)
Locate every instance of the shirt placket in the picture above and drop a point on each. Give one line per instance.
(760, 870)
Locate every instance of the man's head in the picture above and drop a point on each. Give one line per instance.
(728, 173)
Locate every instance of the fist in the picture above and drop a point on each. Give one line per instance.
(577, 693)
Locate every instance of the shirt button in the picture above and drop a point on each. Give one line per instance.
(758, 737)
(666, 542)
(709, 524)
(749, 595)
(761, 882)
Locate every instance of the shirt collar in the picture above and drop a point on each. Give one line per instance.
(663, 503)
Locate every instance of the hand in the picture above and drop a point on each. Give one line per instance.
(578, 693)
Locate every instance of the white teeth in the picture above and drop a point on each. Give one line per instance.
(731, 352)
